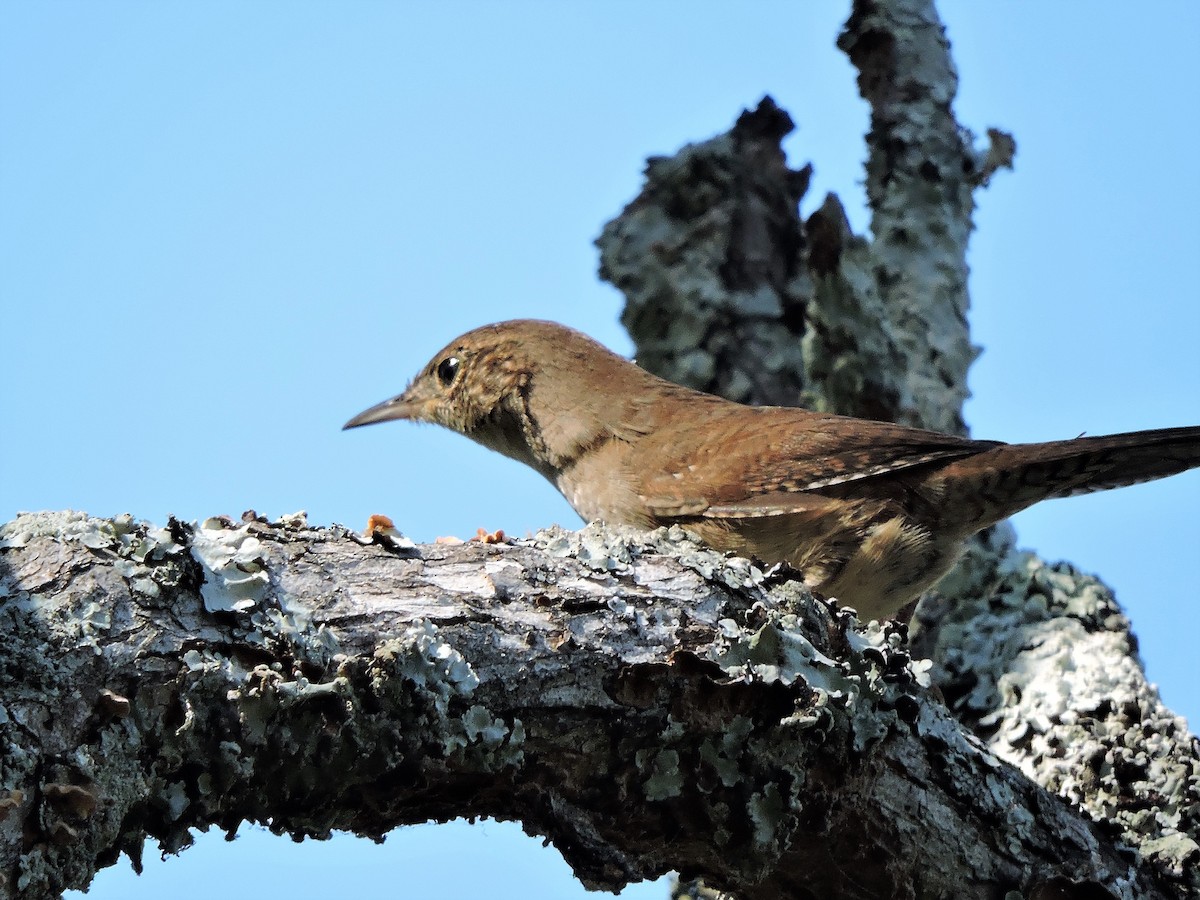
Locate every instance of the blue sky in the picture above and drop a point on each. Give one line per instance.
(227, 227)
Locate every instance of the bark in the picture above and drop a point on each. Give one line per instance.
(644, 702)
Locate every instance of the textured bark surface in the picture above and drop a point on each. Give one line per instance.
(645, 702)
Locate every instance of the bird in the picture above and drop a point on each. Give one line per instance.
(870, 513)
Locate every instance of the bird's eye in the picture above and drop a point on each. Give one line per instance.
(447, 370)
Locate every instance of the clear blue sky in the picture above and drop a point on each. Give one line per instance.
(227, 227)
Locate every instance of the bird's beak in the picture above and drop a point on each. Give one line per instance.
(399, 407)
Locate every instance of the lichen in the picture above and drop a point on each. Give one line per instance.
(768, 810)
(420, 656)
(722, 751)
(664, 779)
(235, 577)
(487, 740)
(613, 549)
(66, 525)
(1050, 678)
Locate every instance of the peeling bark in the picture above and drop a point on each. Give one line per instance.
(646, 703)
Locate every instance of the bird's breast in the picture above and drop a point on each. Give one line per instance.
(598, 486)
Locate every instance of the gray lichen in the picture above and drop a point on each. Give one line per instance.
(1051, 677)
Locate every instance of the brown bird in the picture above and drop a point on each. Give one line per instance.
(871, 513)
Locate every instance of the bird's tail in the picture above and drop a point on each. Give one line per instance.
(1006, 479)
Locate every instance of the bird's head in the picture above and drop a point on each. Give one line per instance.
(525, 388)
(464, 385)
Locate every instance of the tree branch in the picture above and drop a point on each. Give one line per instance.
(646, 703)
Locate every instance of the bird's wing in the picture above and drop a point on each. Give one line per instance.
(781, 462)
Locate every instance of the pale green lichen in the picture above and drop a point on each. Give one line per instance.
(423, 658)
(767, 809)
(665, 779)
(595, 546)
(419, 657)
(866, 684)
(294, 623)
(778, 651)
(478, 733)
(722, 751)
(174, 797)
(233, 562)
(480, 725)
(614, 548)
(67, 525)
(235, 577)
(263, 692)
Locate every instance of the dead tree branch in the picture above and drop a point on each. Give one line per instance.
(646, 703)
